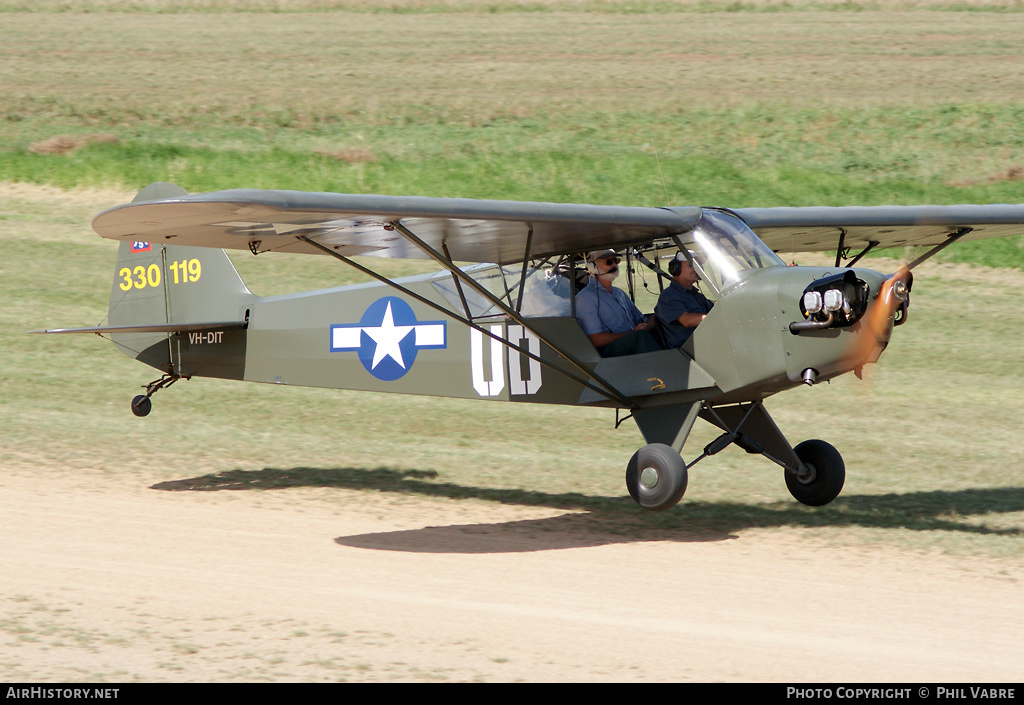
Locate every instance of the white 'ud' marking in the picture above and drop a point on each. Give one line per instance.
(492, 386)
(484, 387)
(517, 334)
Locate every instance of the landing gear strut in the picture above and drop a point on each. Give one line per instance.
(142, 404)
(656, 475)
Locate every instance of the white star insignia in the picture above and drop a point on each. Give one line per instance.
(388, 337)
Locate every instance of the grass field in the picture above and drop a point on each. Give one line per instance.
(726, 108)
(889, 104)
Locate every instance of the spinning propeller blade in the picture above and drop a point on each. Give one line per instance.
(876, 324)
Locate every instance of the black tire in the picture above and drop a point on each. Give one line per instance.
(656, 477)
(827, 473)
(142, 405)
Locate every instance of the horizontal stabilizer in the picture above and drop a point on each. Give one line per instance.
(155, 328)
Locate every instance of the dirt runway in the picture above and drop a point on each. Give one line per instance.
(115, 581)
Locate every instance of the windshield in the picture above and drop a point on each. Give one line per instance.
(725, 250)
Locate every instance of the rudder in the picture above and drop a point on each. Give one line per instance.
(157, 284)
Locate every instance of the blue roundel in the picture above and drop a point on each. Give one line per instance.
(387, 337)
(388, 343)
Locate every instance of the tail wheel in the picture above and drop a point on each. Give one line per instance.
(142, 405)
(656, 477)
(826, 473)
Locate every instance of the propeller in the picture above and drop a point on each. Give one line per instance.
(875, 324)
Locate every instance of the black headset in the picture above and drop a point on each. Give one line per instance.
(675, 265)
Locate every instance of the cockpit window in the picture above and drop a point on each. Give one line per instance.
(545, 292)
(725, 250)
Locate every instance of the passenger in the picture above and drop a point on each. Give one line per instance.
(681, 307)
(614, 325)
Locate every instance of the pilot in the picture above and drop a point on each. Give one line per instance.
(612, 322)
(681, 307)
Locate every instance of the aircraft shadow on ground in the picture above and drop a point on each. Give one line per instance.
(598, 520)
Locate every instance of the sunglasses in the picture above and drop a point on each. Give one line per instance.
(610, 260)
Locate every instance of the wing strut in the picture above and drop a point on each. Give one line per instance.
(526, 263)
(871, 245)
(960, 232)
(840, 249)
(469, 322)
(611, 393)
(458, 288)
(642, 259)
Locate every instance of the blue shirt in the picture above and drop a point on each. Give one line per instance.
(601, 311)
(674, 302)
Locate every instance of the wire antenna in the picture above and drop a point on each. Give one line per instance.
(660, 172)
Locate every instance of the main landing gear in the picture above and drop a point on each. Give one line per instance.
(823, 476)
(142, 404)
(656, 476)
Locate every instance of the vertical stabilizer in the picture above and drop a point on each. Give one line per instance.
(164, 284)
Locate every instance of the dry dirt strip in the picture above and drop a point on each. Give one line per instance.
(119, 582)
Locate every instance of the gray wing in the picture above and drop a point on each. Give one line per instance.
(472, 230)
(819, 228)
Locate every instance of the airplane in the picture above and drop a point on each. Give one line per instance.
(498, 322)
